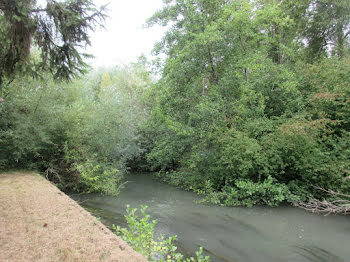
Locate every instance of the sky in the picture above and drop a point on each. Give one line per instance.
(124, 38)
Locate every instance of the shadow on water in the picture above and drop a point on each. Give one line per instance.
(316, 254)
(214, 255)
(108, 218)
(244, 225)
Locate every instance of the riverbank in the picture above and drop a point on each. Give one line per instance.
(40, 223)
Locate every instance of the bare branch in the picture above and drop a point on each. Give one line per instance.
(339, 206)
(38, 10)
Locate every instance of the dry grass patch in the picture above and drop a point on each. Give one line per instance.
(40, 223)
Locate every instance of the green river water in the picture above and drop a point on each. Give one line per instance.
(258, 234)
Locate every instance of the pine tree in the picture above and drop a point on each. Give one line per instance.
(59, 30)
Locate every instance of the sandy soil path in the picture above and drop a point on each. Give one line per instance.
(40, 223)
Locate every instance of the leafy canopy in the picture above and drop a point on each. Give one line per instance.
(253, 101)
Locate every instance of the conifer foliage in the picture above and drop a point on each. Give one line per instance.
(60, 30)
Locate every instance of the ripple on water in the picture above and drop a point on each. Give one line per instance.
(235, 234)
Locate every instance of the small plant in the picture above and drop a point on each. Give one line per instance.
(140, 235)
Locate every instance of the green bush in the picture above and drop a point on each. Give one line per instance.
(83, 132)
(140, 235)
(247, 193)
(99, 177)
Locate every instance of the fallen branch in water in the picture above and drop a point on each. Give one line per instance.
(340, 206)
(325, 207)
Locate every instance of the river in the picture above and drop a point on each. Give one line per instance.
(233, 234)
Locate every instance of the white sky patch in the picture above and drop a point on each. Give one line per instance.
(124, 38)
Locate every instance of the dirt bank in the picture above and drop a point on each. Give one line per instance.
(40, 223)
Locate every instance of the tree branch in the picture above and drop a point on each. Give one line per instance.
(339, 206)
(38, 10)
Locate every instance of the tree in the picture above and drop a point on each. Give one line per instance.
(81, 134)
(238, 114)
(325, 27)
(59, 30)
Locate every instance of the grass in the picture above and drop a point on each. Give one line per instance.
(40, 223)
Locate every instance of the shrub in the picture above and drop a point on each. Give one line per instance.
(140, 235)
(248, 193)
(99, 177)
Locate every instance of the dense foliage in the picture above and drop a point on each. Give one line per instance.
(60, 29)
(253, 103)
(82, 133)
(141, 236)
